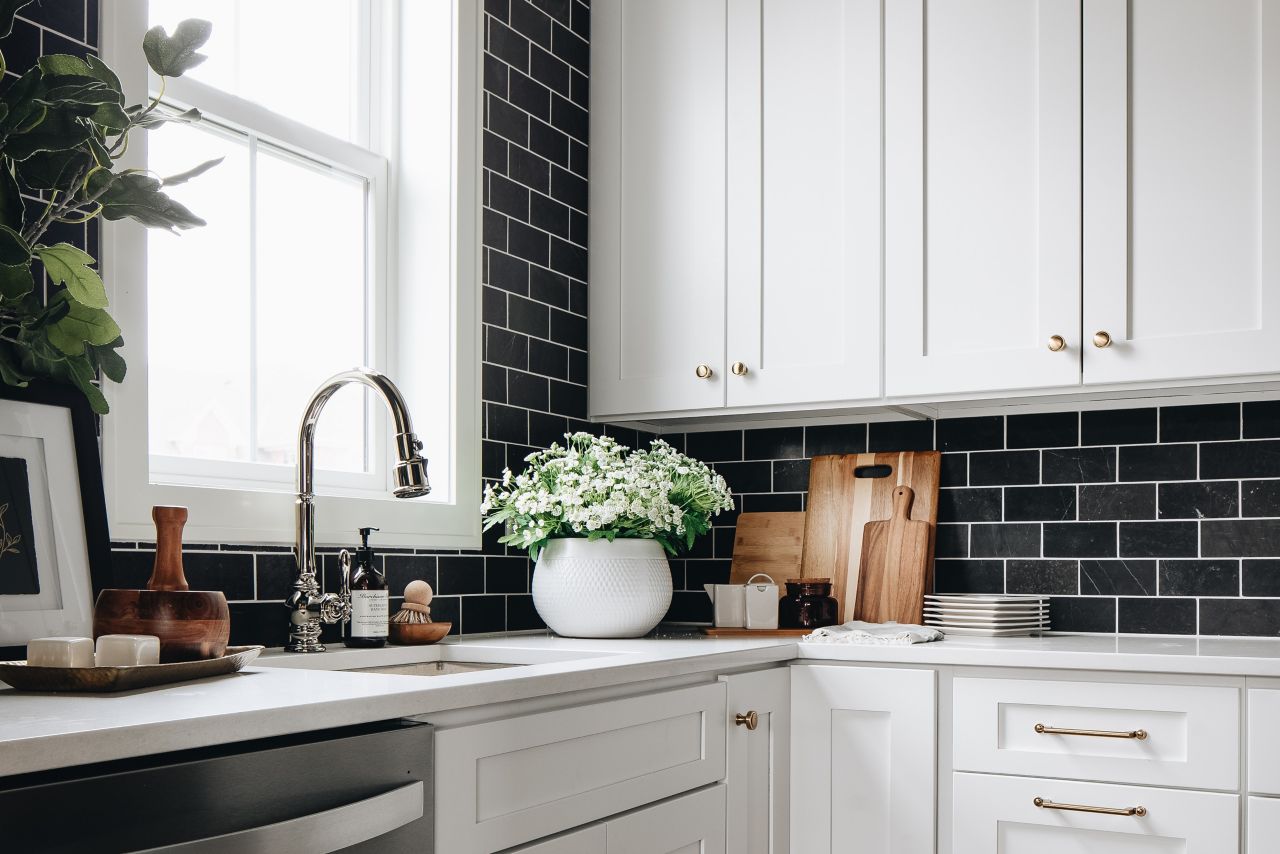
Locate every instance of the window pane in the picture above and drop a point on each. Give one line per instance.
(294, 57)
(311, 316)
(198, 303)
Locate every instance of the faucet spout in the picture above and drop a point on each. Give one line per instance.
(308, 608)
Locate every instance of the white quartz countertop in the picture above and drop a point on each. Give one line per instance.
(296, 693)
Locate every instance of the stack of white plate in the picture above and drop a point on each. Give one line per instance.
(986, 615)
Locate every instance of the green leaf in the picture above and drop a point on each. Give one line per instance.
(52, 170)
(109, 361)
(19, 101)
(170, 56)
(72, 267)
(82, 375)
(13, 249)
(82, 325)
(138, 197)
(159, 117)
(12, 210)
(184, 177)
(64, 63)
(9, 8)
(56, 130)
(111, 117)
(10, 371)
(15, 281)
(99, 70)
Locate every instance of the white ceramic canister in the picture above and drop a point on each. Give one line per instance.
(761, 603)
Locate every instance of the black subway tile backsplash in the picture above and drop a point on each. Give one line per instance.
(900, 436)
(1240, 459)
(983, 433)
(1261, 419)
(1118, 427)
(1043, 430)
(1080, 539)
(1005, 540)
(1243, 538)
(1043, 577)
(1200, 499)
(778, 443)
(1101, 502)
(997, 468)
(1083, 614)
(969, 505)
(1244, 617)
(969, 576)
(1039, 503)
(1158, 539)
(1260, 577)
(1158, 462)
(1199, 578)
(835, 439)
(1079, 465)
(1200, 423)
(1118, 577)
(1157, 616)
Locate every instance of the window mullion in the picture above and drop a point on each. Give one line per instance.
(253, 297)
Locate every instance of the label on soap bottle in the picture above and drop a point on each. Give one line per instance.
(369, 612)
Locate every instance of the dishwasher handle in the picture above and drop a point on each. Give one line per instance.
(318, 833)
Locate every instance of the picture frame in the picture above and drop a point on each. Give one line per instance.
(55, 548)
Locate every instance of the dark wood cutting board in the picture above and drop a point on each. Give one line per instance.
(846, 491)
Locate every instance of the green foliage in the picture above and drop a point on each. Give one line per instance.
(64, 125)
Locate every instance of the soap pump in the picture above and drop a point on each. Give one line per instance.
(369, 602)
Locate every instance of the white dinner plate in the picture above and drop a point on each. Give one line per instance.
(988, 633)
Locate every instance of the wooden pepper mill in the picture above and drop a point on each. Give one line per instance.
(191, 624)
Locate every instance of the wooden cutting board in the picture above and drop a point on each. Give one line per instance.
(771, 543)
(846, 491)
(895, 560)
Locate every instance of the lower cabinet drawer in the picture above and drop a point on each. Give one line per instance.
(508, 782)
(1264, 741)
(1264, 825)
(1190, 734)
(996, 813)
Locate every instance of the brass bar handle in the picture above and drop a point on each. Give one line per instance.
(750, 720)
(1138, 811)
(1139, 734)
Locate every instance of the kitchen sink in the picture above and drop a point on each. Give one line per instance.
(435, 668)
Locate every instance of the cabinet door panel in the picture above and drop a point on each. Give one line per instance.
(1264, 824)
(689, 824)
(657, 161)
(758, 763)
(804, 200)
(862, 760)
(982, 194)
(1182, 188)
(993, 813)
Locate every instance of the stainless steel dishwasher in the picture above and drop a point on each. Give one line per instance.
(363, 790)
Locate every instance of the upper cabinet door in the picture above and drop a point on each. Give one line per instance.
(657, 165)
(982, 195)
(1182, 188)
(803, 201)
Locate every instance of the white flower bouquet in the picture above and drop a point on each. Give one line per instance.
(598, 489)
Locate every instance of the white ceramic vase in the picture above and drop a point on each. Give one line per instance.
(602, 589)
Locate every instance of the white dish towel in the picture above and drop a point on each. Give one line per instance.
(857, 631)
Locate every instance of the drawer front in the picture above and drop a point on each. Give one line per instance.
(588, 840)
(1192, 733)
(1264, 825)
(995, 813)
(1264, 741)
(507, 782)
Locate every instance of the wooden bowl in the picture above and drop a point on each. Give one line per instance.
(412, 634)
(191, 624)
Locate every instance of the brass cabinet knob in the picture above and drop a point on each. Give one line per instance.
(739, 369)
(1101, 339)
(1057, 343)
(703, 372)
(750, 720)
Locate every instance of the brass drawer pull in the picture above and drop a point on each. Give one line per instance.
(1138, 811)
(1139, 734)
(750, 720)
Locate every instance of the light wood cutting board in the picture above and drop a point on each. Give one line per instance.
(846, 491)
(771, 543)
(894, 568)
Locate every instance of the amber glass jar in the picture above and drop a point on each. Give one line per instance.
(808, 604)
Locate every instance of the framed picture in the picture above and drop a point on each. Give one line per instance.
(55, 552)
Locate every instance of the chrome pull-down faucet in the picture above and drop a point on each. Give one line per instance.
(308, 609)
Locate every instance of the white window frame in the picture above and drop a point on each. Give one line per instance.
(251, 512)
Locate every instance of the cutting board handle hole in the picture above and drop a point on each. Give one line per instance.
(873, 471)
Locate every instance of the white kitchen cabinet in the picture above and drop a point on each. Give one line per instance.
(690, 824)
(1264, 825)
(804, 201)
(982, 195)
(657, 163)
(1264, 741)
(863, 764)
(994, 813)
(758, 762)
(510, 781)
(735, 204)
(1182, 188)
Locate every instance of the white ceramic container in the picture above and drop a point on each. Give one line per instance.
(127, 650)
(602, 589)
(60, 652)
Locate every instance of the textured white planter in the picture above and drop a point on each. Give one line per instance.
(599, 589)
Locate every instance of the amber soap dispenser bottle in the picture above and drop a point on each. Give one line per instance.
(370, 609)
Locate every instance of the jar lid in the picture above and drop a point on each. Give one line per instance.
(808, 580)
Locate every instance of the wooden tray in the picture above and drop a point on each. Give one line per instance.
(712, 632)
(24, 677)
